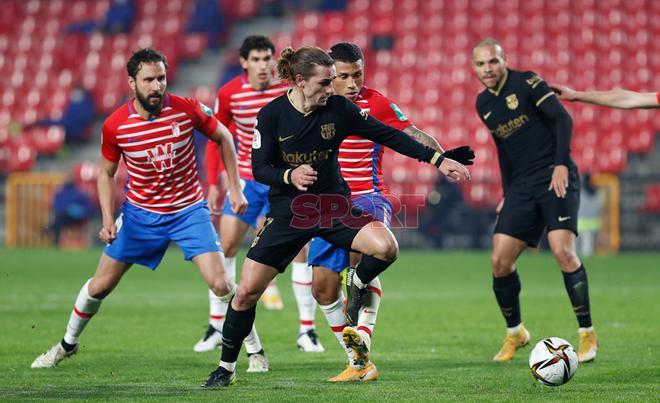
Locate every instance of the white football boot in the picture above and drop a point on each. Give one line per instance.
(309, 342)
(52, 357)
(210, 341)
(258, 363)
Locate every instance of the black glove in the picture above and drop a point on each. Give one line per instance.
(462, 154)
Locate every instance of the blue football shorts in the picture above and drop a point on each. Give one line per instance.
(323, 253)
(143, 236)
(257, 197)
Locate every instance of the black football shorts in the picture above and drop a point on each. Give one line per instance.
(527, 211)
(281, 238)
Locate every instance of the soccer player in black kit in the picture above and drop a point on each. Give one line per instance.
(294, 151)
(541, 189)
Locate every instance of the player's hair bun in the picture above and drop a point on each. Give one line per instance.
(284, 70)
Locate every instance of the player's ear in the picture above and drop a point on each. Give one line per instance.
(244, 63)
(299, 80)
(131, 83)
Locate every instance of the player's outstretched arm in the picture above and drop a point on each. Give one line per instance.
(224, 139)
(462, 154)
(619, 98)
(106, 187)
(423, 138)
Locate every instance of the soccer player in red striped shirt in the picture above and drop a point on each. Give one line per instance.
(153, 132)
(360, 161)
(237, 105)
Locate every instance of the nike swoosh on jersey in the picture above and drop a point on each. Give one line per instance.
(487, 115)
(562, 219)
(284, 138)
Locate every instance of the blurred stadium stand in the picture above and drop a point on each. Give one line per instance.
(417, 52)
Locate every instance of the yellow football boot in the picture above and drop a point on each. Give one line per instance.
(351, 374)
(588, 345)
(512, 342)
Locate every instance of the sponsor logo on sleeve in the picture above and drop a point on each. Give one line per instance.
(205, 109)
(398, 112)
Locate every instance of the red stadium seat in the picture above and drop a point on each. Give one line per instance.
(652, 199)
(46, 140)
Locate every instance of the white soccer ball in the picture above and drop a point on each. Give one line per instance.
(553, 361)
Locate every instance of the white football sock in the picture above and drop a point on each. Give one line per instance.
(218, 307)
(84, 308)
(334, 313)
(515, 329)
(252, 343)
(301, 281)
(229, 366)
(369, 312)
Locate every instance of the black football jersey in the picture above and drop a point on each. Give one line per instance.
(285, 138)
(524, 136)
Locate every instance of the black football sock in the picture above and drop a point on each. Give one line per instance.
(238, 325)
(577, 287)
(66, 346)
(370, 267)
(507, 290)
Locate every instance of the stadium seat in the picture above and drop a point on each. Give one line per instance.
(652, 199)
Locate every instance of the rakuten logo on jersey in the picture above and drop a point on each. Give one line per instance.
(161, 156)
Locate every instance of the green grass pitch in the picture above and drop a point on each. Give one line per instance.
(438, 329)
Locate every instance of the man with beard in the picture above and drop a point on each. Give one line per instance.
(164, 201)
(541, 189)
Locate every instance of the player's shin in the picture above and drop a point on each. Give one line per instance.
(301, 281)
(334, 314)
(237, 327)
(507, 291)
(368, 269)
(577, 288)
(369, 313)
(217, 305)
(84, 308)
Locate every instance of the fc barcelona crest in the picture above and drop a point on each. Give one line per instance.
(512, 101)
(328, 131)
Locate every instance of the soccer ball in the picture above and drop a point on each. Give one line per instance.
(553, 361)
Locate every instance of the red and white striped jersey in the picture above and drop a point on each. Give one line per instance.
(361, 159)
(159, 152)
(236, 106)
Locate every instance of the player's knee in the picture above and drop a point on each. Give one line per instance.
(221, 287)
(388, 249)
(501, 265)
(231, 249)
(566, 257)
(324, 295)
(246, 298)
(99, 289)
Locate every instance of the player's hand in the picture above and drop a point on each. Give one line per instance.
(559, 181)
(499, 206)
(303, 176)
(237, 201)
(454, 170)
(462, 154)
(108, 232)
(213, 197)
(564, 92)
